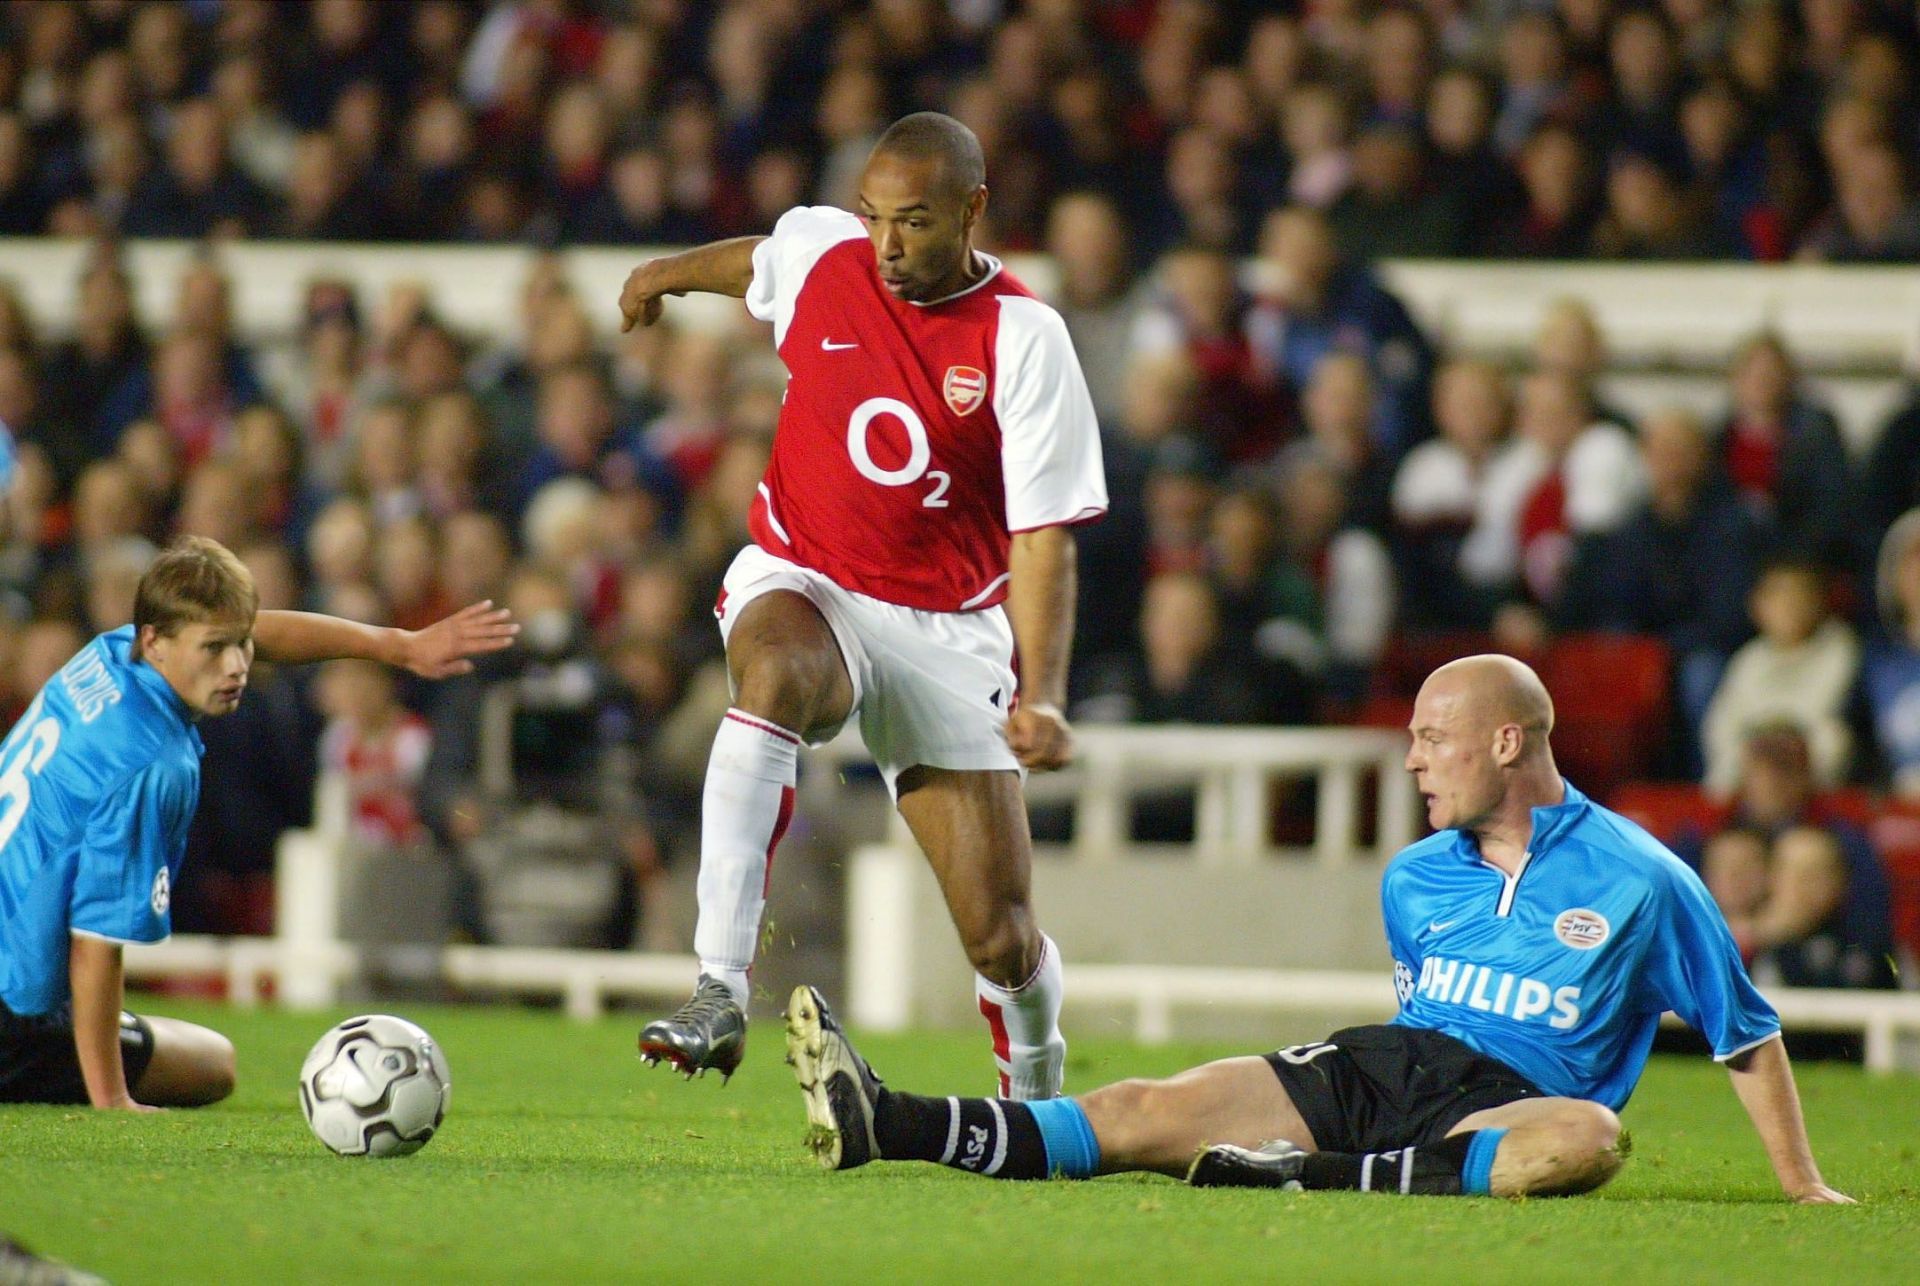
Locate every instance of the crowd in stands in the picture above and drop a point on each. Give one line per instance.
(1301, 480)
(1734, 129)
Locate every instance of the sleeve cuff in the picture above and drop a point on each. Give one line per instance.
(123, 942)
(1752, 1044)
(1081, 519)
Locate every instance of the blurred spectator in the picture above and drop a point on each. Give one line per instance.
(1802, 668)
(1726, 163)
(319, 206)
(1347, 569)
(379, 750)
(259, 138)
(154, 458)
(23, 200)
(1890, 474)
(1466, 169)
(1202, 312)
(1647, 216)
(1891, 673)
(1181, 485)
(1535, 75)
(1555, 218)
(1316, 303)
(1338, 409)
(107, 350)
(384, 471)
(1098, 299)
(1802, 890)
(1188, 670)
(267, 449)
(1438, 498)
(1567, 475)
(1680, 566)
(578, 436)
(458, 468)
(322, 381)
(1571, 343)
(340, 560)
(1390, 210)
(1875, 218)
(199, 192)
(1399, 65)
(688, 433)
(1784, 455)
(1315, 127)
(1641, 117)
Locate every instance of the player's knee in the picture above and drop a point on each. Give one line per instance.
(216, 1069)
(1003, 948)
(1589, 1148)
(785, 685)
(1123, 1115)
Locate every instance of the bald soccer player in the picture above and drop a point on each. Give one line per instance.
(1537, 938)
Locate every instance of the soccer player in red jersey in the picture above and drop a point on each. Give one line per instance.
(911, 535)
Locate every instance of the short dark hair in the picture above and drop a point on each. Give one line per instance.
(937, 136)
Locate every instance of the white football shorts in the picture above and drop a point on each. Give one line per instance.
(929, 688)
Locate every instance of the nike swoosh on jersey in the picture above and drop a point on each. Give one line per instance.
(1440, 926)
(829, 346)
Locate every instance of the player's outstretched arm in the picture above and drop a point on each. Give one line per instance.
(439, 651)
(1040, 594)
(717, 268)
(1763, 1078)
(94, 974)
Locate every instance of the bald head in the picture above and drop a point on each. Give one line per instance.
(932, 136)
(1479, 752)
(1498, 689)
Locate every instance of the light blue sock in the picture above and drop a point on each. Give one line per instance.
(1476, 1176)
(1072, 1150)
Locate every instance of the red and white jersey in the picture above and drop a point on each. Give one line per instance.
(914, 438)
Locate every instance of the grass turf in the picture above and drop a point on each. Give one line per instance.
(563, 1159)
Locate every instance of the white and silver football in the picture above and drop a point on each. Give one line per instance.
(376, 1086)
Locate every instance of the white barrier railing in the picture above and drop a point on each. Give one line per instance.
(1654, 314)
(1229, 769)
(310, 979)
(1882, 1017)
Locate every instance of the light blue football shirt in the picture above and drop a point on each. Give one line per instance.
(1563, 970)
(98, 783)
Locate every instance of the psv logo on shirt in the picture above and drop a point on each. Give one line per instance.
(965, 388)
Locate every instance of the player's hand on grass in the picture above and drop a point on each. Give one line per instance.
(1039, 737)
(442, 649)
(640, 298)
(126, 1103)
(1821, 1195)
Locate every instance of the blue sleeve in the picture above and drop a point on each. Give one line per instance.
(1406, 952)
(1695, 968)
(124, 884)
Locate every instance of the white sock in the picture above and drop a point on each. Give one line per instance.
(1025, 1021)
(744, 810)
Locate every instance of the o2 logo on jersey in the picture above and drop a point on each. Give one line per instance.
(1581, 929)
(919, 448)
(965, 388)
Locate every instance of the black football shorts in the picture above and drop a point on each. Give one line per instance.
(1371, 1089)
(38, 1063)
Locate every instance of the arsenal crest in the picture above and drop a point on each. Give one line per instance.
(965, 388)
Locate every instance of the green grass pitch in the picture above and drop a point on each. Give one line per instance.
(564, 1160)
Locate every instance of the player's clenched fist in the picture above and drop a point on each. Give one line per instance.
(1039, 737)
(640, 297)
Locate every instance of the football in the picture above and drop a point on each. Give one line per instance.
(375, 1086)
